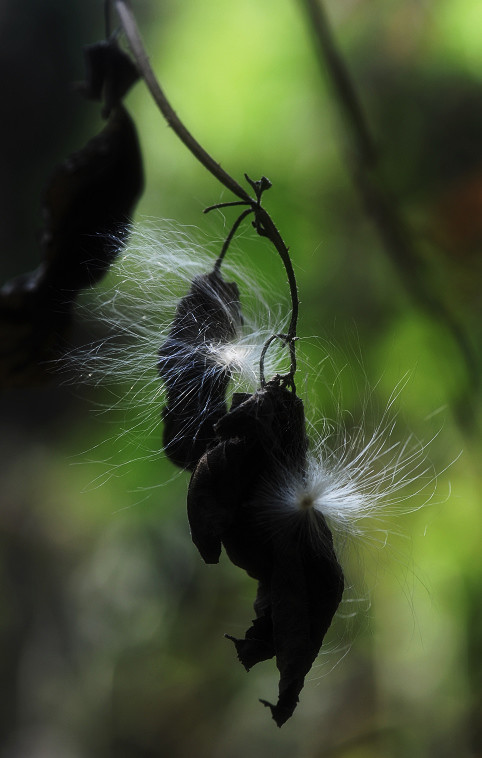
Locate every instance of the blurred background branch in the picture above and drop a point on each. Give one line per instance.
(398, 238)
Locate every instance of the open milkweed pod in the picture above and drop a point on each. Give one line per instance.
(233, 502)
(196, 383)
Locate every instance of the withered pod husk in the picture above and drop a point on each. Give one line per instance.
(87, 206)
(235, 500)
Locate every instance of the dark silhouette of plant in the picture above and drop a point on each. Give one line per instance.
(87, 206)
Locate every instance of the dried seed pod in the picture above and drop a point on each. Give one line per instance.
(88, 205)
(206, 318)
(87, 208)
(235, 500)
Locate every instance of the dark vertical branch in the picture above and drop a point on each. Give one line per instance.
(344, 88)
(396, 236)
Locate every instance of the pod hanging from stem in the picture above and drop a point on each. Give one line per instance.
(263, 223)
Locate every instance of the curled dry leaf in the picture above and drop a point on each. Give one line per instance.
(208, 316)
(233, 502)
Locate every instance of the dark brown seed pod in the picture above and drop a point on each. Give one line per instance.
(195, 378)
(234, 501)
(87, 207)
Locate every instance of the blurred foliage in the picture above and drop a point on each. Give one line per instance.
(110, 625)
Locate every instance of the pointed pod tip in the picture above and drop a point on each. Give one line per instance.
(277, 717)
(236, 643)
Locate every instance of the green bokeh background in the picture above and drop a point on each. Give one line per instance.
(111, 626)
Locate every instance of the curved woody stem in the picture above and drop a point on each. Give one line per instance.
(133, 36)
(263, 222)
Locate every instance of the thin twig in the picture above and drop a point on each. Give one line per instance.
(230, 236)
(218, 206)
(397, 238)
(265, 227)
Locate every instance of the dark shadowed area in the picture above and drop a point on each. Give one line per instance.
(111, 624)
